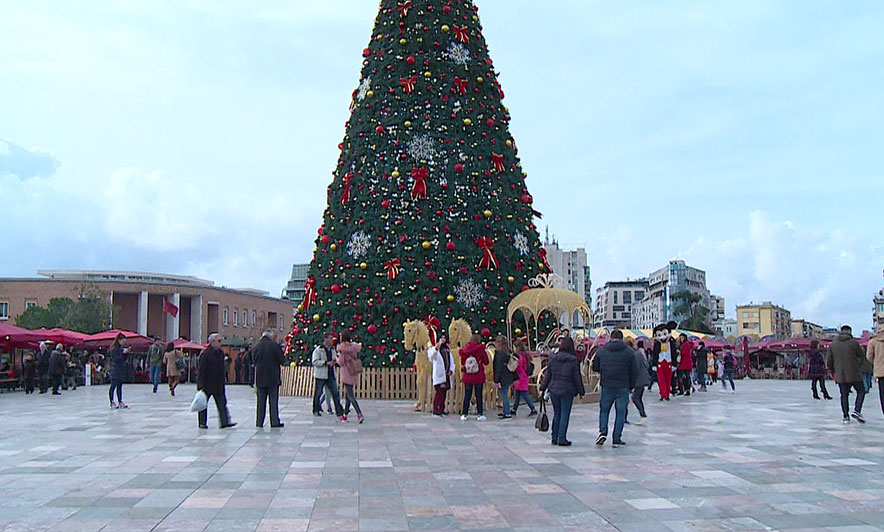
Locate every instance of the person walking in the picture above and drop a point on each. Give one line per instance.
(844, 361)
(323, 360)
(268, 359)
(700, 365)
(170, 359)
(443, 368)
(816, 369)
(210, 379)
(685, 365)
(524, 370)
(618, 369)
(57, 366)
(29, 371)
(728, 365)
(503, 376)
(42, 366)
(118, 353)
(641, 380)
(473, 358)
(563, 381)
(663, 357)
(155, 362)
(348, 360)
(875, 354)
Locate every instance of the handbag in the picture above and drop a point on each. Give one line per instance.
(200, 401)
(542, 421)
(354, 365)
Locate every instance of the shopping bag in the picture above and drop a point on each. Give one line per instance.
(200, 401)
(542, 422)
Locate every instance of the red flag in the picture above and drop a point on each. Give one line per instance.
(170, 308)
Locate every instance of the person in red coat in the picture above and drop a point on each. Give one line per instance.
(685, 365)
(473, 359)
(523, 381)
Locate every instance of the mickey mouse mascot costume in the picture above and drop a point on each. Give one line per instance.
(664, 356)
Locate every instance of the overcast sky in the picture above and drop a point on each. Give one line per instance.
(184, 137)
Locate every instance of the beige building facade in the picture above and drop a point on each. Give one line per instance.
(806, 329)
(764, 319)
(138, 297)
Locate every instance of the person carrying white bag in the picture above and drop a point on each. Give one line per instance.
(210, 381)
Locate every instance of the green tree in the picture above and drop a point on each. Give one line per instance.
(90, 313)
(690, 304)
(428, 212)
(50, 316)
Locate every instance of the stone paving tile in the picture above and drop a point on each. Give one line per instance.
(715, 461)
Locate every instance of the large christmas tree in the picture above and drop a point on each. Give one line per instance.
(428, 213)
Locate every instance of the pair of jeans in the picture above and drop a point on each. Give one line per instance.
(822, 381)
(522, 394)
(439, 398)
(118, 386)
(468, 390)
(637, 398)
(880, 392)
(333, 391)
(221, 405)
(728, 376)
(867, 381)
(505, 397)
(155, 376)
(845, 392)
(684, 381)
(561, 416)
(350, 397)
(266, 393)
(619, 399)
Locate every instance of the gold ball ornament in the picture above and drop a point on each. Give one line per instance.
(487, 213)
(518, 331)
(293, 365)
(408, 123)
(480, 79)
(449, 298)
(370, 94)
(467, 122)
(428, 74)
(403, 42)
(316, 318)
(363, 265)
(333, 247)
(510, 279)
(445, 28)
(395, 174)
(300, 307)
(509, 143)
(426, 244)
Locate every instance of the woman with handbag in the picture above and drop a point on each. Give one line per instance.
(563, 380)
(443, 367)
(522, 383)
(348, 359)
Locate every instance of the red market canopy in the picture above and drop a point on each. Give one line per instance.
(187, 345)
(12, 336)
(63, 336)
(106, 338)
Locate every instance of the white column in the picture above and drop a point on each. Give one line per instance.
(173, 324)
(142, 313)
(196, 319)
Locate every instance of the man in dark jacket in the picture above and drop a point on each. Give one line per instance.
(57, 365)
(503, 377)
(268, 359)
(701, 365)
(619, 371)
(210, 379)
(844, 361)
(42, 363)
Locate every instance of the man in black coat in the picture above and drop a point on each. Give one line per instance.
(57, 366)
(616, 363)
(210, 379)
(42, 363)
(268, 358)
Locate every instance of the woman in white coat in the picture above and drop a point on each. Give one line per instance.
(443, 369)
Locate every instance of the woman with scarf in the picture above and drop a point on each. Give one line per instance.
(443, 369)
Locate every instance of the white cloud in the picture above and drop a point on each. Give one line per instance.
(26, 162)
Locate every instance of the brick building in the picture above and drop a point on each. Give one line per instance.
(203, 308)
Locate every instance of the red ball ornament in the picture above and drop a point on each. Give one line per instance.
(372, 328)
(526, 198)
(366, 52)
(379, 130)
(410, 60)
(325, 239)
(449, 246)
(458, 167)
(490, 122)
(385, 204)
(486, 332)
(335, 288)
(446, 9)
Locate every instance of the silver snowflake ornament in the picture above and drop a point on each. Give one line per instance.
(469, 293)
(422, 147)
(359, 244)
(458, 53)
(521, 242)
(363, 89)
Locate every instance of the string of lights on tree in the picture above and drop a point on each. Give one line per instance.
(428, 215)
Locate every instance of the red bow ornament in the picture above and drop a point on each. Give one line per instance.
(408, 83)
(433, 324)
(403, 8)
(542, 253)
(461, 33)
(420, 175)
(309, 292)
(392, 268)
(345, 196)
(489, 261)
(498, 161)
(461, 84)
(499, 89)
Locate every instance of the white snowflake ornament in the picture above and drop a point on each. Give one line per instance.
(359, 244)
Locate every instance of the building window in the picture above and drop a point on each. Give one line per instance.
(4, 310)
(30, 303)
(225, 317)
(280, 322)
(746, 325)
(245, 318)
(619, 308)
(627, 297)
(253, 318)
(615, 297)
(234, 318)
(638, 295)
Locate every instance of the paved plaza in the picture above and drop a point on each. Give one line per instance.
(767, 457)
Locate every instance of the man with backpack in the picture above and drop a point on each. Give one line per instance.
(473, 359)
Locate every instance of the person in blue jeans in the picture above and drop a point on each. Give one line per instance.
(616, 364)
(563, 381)
(155, 362)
